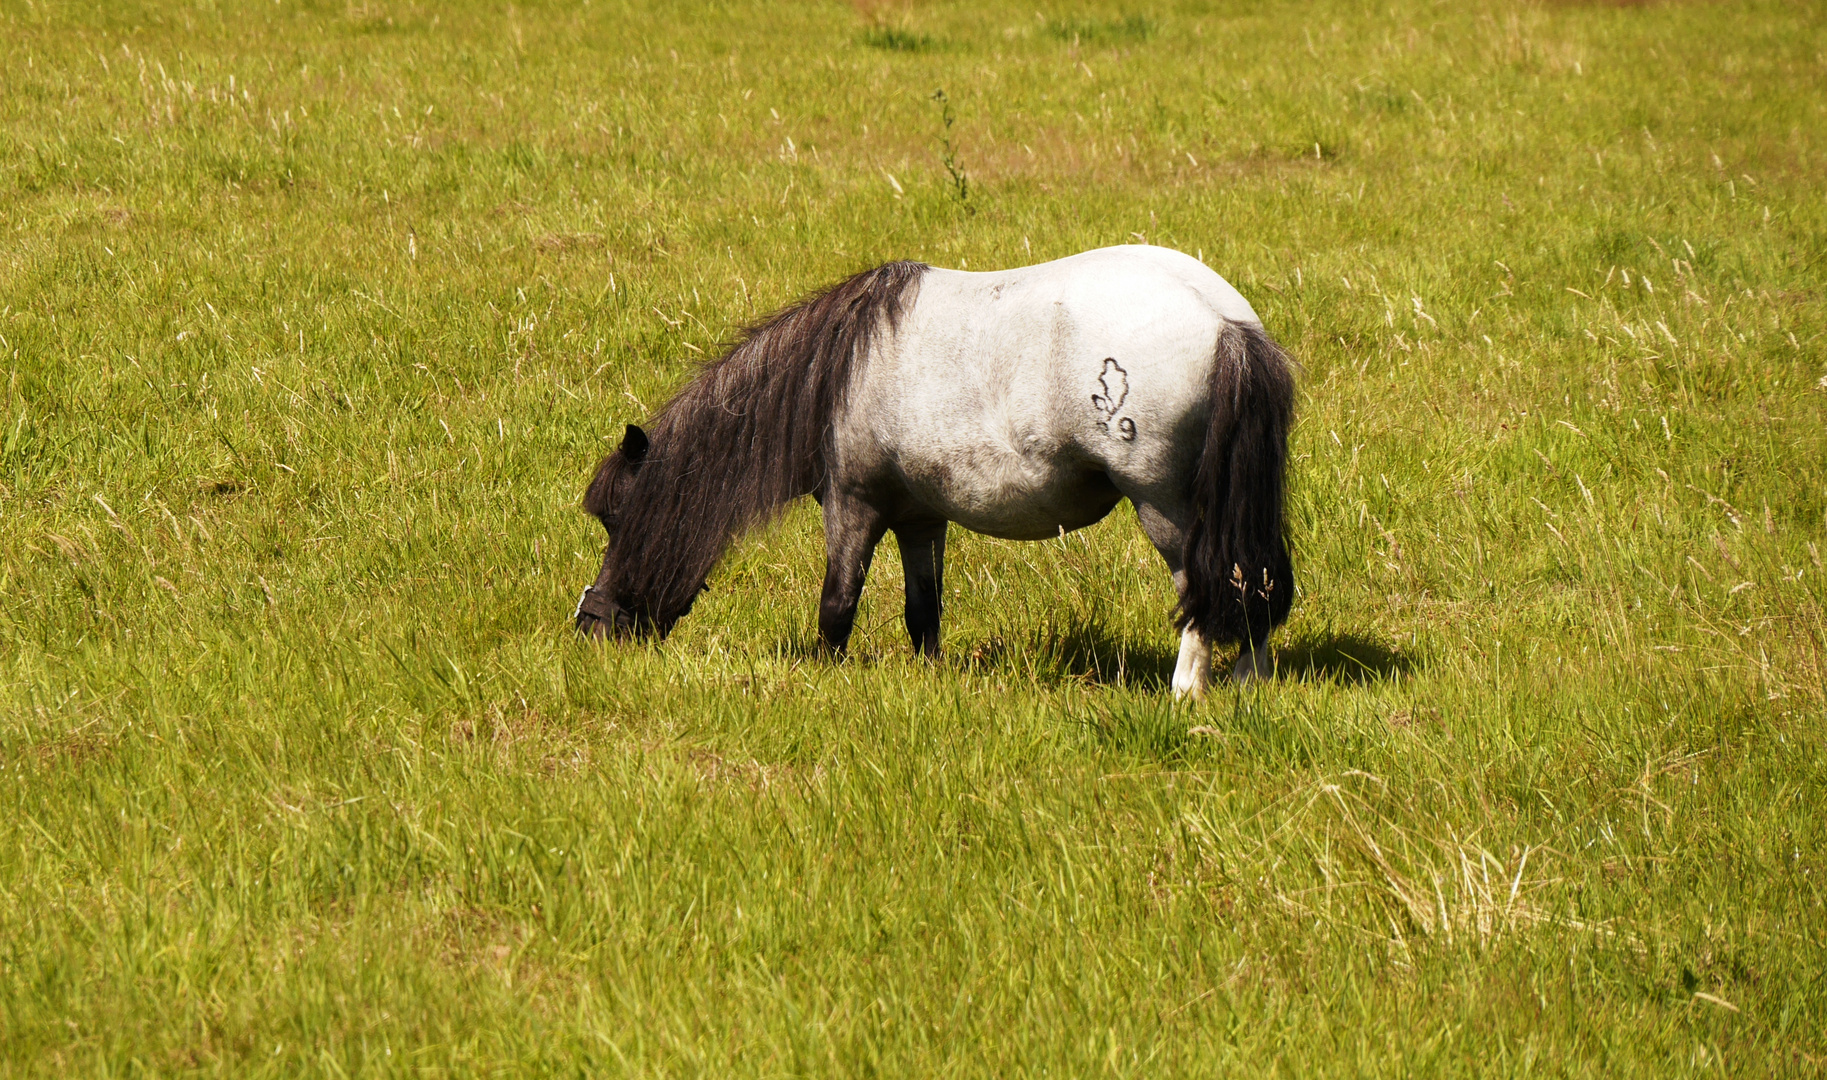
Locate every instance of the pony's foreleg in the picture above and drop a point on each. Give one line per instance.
(923, 560)
(852, 529)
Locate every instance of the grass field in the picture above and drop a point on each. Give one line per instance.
(314, 318)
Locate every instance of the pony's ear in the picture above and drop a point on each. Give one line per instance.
(634, 445)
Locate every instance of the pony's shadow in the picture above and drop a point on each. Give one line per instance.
(1088, 652)
(1345, 658)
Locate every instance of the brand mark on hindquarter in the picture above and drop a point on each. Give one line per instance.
(1115, 382)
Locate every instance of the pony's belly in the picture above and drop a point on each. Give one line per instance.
(1025, 510)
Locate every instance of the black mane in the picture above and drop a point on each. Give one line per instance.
(748, 435)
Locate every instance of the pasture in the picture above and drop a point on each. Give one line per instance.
(315, 317)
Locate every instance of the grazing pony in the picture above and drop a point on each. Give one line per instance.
(1021, 403)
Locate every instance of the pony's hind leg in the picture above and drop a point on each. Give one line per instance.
(852, 530)
(923, 560)
(1254, 662)
(1193, 669)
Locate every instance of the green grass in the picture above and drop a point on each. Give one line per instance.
(894, 39)
(314, 318)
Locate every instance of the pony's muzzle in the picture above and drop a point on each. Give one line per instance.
(594, 616)
(601, 618)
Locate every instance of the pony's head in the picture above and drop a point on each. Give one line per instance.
(747, 436)
(599, 614)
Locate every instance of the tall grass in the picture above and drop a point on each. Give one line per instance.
(313, 319)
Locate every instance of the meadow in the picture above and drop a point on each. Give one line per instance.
(315, 317)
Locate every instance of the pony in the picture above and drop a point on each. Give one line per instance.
(1020, 403)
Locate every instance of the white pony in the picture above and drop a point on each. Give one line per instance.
(1020, 403)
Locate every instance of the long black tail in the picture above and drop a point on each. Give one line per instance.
(1239, 582)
